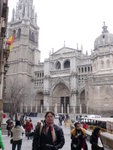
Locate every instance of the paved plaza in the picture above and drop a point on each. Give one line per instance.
(27, 144)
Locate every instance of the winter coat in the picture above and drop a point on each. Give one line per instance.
(17, 133)
(1, 141)
(94, 141)
(28, 127)
(43, 140)
(78, 142)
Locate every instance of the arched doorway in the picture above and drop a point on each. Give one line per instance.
(61, 98)
(39, 102)
(82, 102)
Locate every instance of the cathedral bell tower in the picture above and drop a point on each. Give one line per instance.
(25, 55)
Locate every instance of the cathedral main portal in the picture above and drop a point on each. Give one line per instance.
(61, 98)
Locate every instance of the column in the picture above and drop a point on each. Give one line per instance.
(62, 109)
(36, 108)
(21, 108)
(46, 103)
(31, 107)
(41, 108)
(55, 109)
(73, 103)
(67, 108)
(80, 109)
(26, 109)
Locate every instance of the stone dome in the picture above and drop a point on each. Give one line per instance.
(105, 39)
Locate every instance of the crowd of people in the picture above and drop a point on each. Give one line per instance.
(46, 135)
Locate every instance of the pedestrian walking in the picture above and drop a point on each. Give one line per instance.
(49, 136)
(17, 133)
(9, 126)
(28, 128)
(1, 140)
(85, 125)
(78, 137)
(95, 140)
(60, 120)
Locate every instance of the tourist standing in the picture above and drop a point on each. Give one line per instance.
(78, 138)
(85, 125)
(17, 133)
(50, 137)
(28, 128)
(95, 140)
(9, 126)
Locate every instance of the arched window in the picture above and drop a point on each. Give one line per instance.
(31, 36)
(82, 70)
(79, 70)
(14, 31)
(67, 64)
(19, 33)
(58, 65)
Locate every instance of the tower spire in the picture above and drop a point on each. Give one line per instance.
(25, 10)
(104, 28)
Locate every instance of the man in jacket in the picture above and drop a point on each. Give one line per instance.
(50, 136)
(78, 138)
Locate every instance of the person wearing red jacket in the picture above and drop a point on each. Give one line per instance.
(28, 128)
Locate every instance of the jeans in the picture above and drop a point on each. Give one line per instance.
(16, 144)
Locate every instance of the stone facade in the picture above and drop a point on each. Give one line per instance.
(68, 81)
(100, 83)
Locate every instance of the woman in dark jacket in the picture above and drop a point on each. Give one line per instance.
(50, 137)
(95, 140)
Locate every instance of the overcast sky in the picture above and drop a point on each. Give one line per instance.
(72, 21)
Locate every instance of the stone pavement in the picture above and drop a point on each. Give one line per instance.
(27, 144)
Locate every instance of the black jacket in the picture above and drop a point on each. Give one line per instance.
(45, 141)
(94, 142)
(78, 141)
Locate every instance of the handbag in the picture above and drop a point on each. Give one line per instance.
(11, 141)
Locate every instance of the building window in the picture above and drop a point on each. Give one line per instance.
(67, 64)
(58, 65)
(82, 70)
(19, 33)
(31, 36)
(79, 70)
